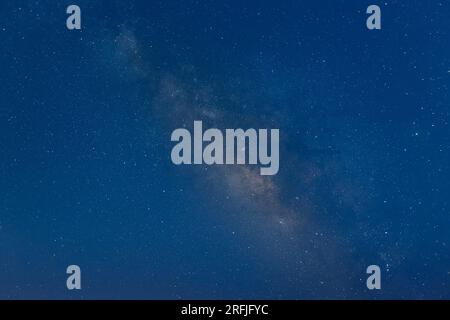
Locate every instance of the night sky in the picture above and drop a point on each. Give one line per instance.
(86, 176)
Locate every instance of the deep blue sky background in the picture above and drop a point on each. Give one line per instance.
(85, 170)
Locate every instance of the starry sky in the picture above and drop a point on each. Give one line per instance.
(85, 170)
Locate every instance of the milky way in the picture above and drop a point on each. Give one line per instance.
(87, 177)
